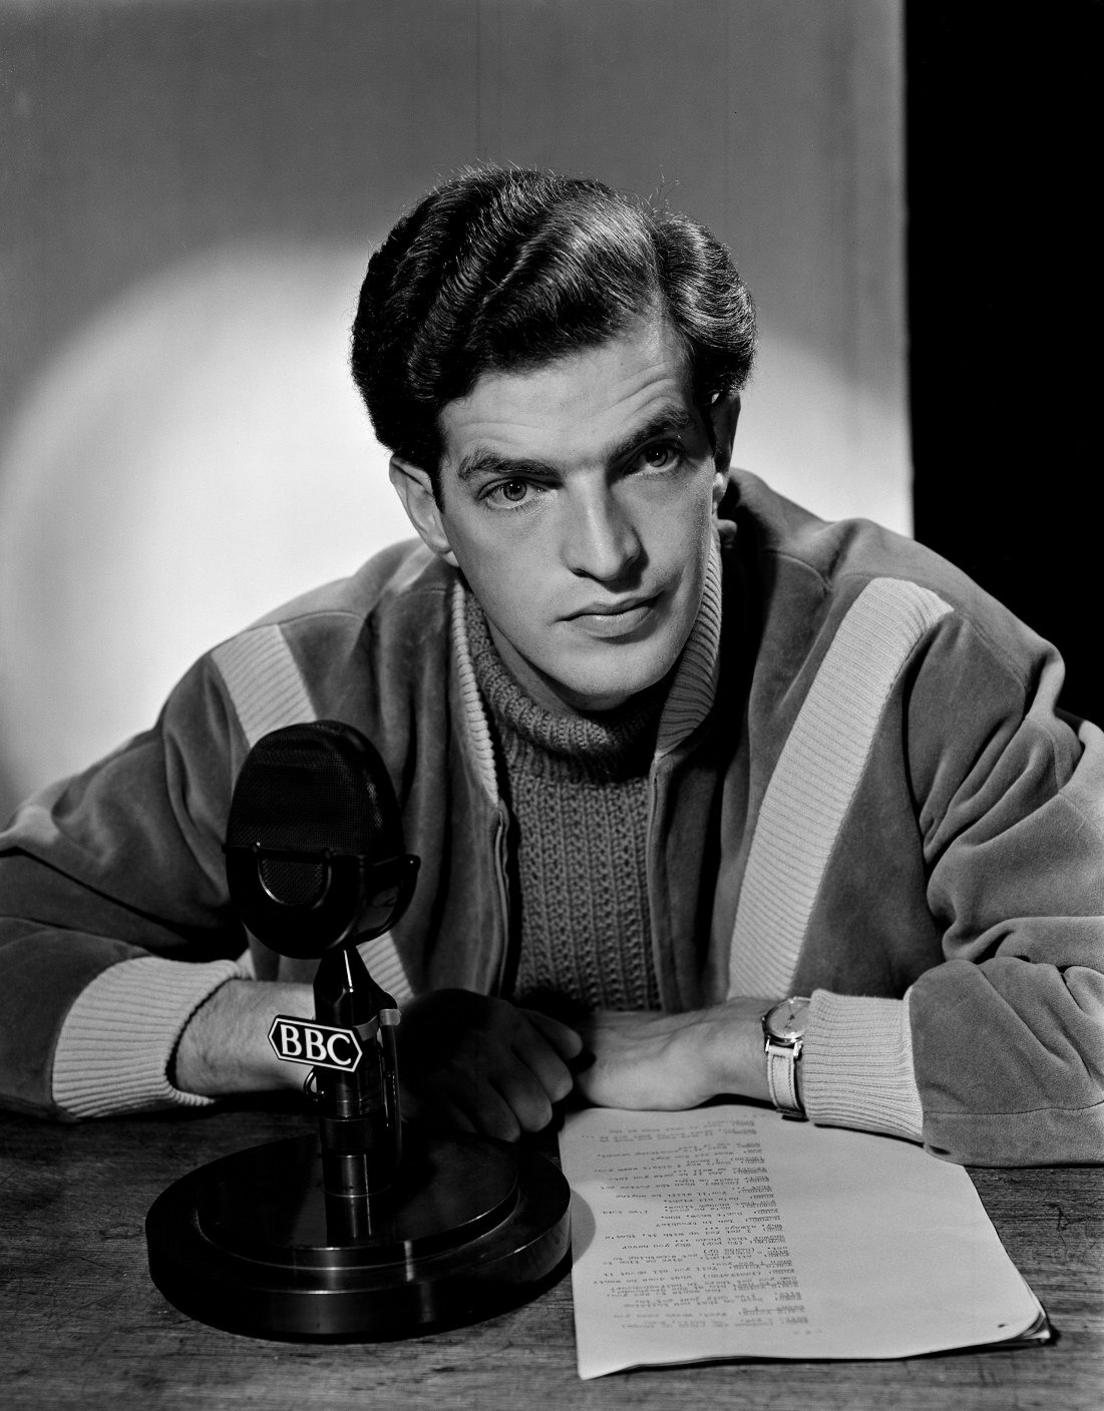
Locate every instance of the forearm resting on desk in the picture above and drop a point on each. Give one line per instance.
(467, 1061)
(856, 1069)
(480, 1063)
(224, 1047)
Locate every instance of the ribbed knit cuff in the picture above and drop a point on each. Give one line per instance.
(115, 1046)
(856, 1066)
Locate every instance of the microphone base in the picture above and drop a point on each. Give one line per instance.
(252, 1244)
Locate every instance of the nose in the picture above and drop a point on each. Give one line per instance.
(600, 540)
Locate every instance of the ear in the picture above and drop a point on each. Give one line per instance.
(415, 489)
(725, 414)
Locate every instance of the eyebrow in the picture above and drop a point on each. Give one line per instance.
(674, 418)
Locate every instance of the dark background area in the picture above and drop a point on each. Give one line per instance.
(1004, 244)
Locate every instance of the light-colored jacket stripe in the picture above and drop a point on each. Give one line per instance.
(475, 717)
(264, 681)
(268, 692)
(385, 967)
(816, 777)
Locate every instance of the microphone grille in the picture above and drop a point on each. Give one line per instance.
(291, 882)
(315, 787)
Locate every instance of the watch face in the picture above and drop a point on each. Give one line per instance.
(786, 1021)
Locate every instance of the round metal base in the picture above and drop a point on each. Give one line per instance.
(252, 1244)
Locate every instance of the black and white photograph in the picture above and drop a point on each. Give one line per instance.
(551, 752)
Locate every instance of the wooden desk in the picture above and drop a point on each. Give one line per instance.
(82, 1326)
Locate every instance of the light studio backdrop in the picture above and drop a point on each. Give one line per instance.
(188, 195)
(190, 192)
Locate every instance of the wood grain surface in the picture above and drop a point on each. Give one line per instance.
(81, 1325)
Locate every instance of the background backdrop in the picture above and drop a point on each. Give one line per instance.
(188, 194)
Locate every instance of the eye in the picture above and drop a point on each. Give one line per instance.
(509, 493)
(661, 456)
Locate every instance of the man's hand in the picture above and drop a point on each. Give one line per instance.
(669, 1062)
(483, 1065)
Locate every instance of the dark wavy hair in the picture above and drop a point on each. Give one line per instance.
(503, 270)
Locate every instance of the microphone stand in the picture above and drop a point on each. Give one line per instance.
(359, 1121)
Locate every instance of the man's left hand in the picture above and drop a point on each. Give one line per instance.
(667, 1062)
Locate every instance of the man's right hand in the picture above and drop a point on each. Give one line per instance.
(483, 1065)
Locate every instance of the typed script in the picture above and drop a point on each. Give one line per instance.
(728, 1232)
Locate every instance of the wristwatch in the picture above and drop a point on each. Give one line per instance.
(783, 1038)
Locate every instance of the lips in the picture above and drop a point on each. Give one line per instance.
(617, 619)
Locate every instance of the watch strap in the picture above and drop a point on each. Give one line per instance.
(782, 1077)
(783, 1041)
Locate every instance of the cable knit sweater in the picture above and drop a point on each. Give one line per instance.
(577, 788)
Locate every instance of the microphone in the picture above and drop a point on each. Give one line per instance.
(314, 845)
(315, 862)
(353, 1234)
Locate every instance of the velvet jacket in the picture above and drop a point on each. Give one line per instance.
(863, 790)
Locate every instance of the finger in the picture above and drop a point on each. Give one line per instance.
(565, 1040)
(480, 1103)
(526, 1097)
(447, 1117)
(434, 1109)
(549, 1070)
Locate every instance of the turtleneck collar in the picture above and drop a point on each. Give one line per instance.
(607, 742)
(688, 701)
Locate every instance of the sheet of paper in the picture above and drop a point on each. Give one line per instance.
(729, 1232)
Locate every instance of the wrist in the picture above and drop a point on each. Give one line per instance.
(735, 1060)
(224, 1048)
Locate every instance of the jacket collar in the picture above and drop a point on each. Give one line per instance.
(695, 685)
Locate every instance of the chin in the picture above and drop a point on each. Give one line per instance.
(607, 689)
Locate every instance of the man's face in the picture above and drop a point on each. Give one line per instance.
(577, 500)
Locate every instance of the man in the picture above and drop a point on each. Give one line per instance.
(684, 765)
